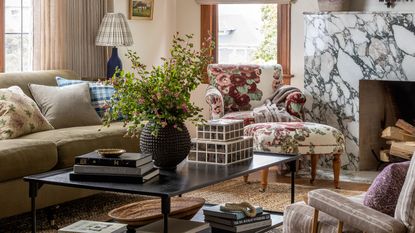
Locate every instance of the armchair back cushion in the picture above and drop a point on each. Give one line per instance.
(405, 209)
(244, 87)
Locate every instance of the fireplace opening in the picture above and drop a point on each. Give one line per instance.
(381, 104)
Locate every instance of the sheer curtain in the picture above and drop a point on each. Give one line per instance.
(64, 36)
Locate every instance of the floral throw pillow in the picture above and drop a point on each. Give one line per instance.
(19, 114)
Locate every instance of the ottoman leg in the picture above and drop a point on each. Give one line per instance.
(264, 179)
(336, 169)
(314, 160)
(246, 178)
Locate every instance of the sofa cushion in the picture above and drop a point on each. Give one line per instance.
(22, 157)
(19, 114)
(76, 141)
(64, 107)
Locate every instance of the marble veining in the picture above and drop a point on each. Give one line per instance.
(340, 50)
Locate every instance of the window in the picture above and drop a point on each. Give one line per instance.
(247, 33)
(18, 35)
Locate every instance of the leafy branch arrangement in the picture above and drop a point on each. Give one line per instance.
(160, 95)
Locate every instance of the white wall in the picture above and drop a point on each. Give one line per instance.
(151, 37)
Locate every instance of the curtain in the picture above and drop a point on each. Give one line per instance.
(209, 2)
(64, 36)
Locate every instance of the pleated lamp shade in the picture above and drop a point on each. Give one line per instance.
(114, 31)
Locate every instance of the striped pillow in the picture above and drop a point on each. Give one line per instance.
(100, 94)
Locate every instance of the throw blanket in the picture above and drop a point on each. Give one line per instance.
(273, 109)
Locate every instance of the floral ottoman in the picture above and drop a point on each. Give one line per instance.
(299, 137)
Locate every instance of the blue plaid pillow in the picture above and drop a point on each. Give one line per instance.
(100, 94)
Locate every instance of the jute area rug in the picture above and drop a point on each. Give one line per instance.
(96, 207)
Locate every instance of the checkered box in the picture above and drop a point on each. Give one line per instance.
(221, 130)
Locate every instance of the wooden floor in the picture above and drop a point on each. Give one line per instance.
(273, 177)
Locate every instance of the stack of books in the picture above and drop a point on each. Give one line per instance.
(235, 221)
(128, 168)
(176, 226)
(84, 226)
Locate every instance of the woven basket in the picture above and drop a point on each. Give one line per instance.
(145, 212)
(169, 148)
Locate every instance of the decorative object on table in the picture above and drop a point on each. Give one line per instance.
(213, 145)
(84, 226)
(176, 226)
(158, 100)
(230, 217)
(141, 9)
(390, 3)
(114, 31)
(148, 211)
(111, 153)
(125, 168)
(334, 5)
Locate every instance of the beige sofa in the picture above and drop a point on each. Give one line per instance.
(48, 150)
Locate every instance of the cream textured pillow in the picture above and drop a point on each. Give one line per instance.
(64, 107)
(19, 114)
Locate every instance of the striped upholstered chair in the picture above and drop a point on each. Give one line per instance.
(329, 212)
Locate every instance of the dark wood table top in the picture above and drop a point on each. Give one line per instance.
(189, 176)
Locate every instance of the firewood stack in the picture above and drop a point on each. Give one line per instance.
(401, 139)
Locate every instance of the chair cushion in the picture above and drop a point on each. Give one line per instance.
(19, 114)
(66, 106)
(22, 157)
(244, 87)
(384, 192)
(76, 141)
(405, 209)
(100, 94)
(246, 116)
(296, 137)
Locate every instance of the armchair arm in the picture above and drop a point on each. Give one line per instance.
(354, 214)
(215, 100)
(294, 103)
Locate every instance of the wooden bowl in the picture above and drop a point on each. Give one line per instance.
(111, 153)
(148, 211)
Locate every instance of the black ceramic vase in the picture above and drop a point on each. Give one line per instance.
(169, 148)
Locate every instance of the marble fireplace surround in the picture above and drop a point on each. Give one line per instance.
(342, 48)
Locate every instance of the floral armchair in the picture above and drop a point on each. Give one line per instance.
(236, 89)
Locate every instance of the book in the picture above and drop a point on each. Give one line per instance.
(84, 226)
(230, 222)
(109, 170)
(243, 227)
(176, 226)
(125, 160)
(114, 178)
(235, 215)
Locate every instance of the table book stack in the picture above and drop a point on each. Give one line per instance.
(221, 142)
(128, 168)
(84, 226)
(235, 221)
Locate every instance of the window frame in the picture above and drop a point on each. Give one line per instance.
(209, 27)
(2, 33)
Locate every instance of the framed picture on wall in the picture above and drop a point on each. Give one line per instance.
(141, 9)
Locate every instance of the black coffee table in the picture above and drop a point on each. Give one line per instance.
(188, 177)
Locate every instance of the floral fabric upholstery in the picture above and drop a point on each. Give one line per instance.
(296, 137)
(294, 104)
(215, 100)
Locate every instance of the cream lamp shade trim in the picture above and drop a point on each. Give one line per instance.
(114, 31)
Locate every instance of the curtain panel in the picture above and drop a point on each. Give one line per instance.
(64, 36)
(210, 2)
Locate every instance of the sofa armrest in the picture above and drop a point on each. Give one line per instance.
(294, 104)
(215, 100)
(354, 214)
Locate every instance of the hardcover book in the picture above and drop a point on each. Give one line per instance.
(176, 226)
(113, 170)
(115, 178)
(231, 222)
(125, 160)
(235, 215)
(243, 227)
(84, 226)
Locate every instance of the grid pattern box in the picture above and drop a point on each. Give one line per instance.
(221, 130)
(223, 153)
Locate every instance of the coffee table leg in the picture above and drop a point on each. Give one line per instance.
(165, 210)
(33, 188)
(293, 168)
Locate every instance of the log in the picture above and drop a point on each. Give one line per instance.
(405, 126)
(402, 149)
(384, 156)
(394, 133)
